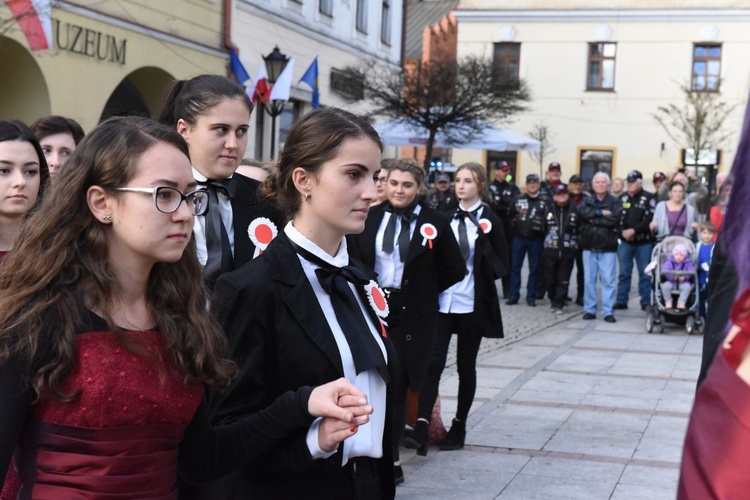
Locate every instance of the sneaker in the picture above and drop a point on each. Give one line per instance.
(531, 303)
(559, 310)
(610, 319)
(620, 306)
(589, 316)
(511, 302)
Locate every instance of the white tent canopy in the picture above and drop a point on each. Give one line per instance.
(400, 132)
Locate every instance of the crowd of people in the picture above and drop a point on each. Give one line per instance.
(173, 328)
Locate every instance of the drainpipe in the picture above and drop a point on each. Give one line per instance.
(228, 25)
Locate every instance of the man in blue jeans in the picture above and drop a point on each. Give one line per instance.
(636, 240)
(600, 216)
(527, 216)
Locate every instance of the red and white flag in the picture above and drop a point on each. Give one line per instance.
(260, 90)
(35, 19)
(283, 86)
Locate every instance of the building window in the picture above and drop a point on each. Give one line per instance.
(385, 27)
(325, 7)
(601, 66)
(593, 160)
(506, 61)
(362, 16)
(706, 67)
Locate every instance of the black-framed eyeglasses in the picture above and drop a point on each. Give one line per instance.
(168, 199)
(380, 180)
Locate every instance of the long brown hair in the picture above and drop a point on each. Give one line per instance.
(60, 266)
(479, 174)
(312, 141)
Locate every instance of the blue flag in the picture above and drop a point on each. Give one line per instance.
(240, 73)
(311, 78)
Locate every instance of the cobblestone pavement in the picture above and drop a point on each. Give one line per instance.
(567, 409)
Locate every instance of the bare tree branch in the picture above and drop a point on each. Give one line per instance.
(448, 96)
(541, 133)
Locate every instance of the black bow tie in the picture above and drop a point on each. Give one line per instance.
(462, 214)
(226, 186)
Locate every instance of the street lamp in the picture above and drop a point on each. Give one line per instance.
(275, 64)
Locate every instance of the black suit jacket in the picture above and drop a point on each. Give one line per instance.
(427, 272)
(491, 262)
(247, 205)
(281, 341)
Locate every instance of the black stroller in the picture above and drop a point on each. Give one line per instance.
(659, 314)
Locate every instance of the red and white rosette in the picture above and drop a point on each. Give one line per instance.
(261, 231)
(379, 304)
(485, 225)
(429, 233)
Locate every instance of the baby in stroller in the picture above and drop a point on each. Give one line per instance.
(678, 261)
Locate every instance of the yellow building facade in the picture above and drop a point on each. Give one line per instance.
(108, 57)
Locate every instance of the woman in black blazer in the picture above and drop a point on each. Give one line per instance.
(212, 113)
(470, 308)
(283, 316)
(413, 267)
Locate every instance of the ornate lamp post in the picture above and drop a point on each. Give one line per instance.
(275, 64)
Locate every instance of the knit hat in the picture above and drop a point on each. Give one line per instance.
(680, 249)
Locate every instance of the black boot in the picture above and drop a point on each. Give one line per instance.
(419, 439)
(455, 437)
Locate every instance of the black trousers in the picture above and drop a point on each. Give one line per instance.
(401, 381)
(579, 277)
(360, 481)
(557, 269)
(468, 348)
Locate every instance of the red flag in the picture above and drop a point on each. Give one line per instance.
(261, 91)
(35, 19)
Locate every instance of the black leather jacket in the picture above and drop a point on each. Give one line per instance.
(599, 232)
(637, 213)
(527, 216)
(562, 224)
(502, 195)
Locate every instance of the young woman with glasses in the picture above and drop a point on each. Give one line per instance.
(105, 343)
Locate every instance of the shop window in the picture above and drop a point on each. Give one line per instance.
(593, 160)
(706, 67)
(601, 66)
(362, 16)
(325, 7)
(385, 27)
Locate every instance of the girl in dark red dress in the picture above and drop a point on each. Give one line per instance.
(105, 344)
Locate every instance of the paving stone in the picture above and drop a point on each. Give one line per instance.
(638, 492)
(583, 470)
(532, 487)
(657, 477)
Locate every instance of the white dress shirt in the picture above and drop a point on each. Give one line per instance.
(368, 441)
(459, 298)
(389, 267)
(199, 225)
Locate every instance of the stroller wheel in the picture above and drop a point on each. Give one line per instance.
(690, 325)
(649, 323)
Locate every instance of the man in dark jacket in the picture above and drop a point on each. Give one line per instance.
(441, 197)
(502, 193)
(575, 188)
(636, 240)
(560, 246)
(527, 220)
(554, 179)
(600, 216)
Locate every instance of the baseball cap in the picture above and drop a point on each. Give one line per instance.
(442, 178)
(554, 166)
(561, 188)
(634, 175)
(503, 165)
(575, 178)
(532, 178)
(659, 176)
